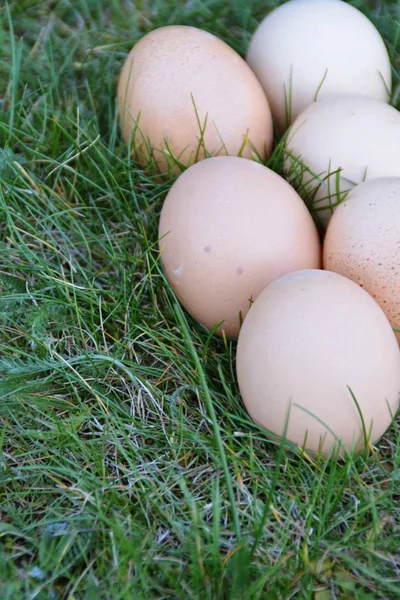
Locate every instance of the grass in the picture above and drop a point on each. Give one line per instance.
(128, 465)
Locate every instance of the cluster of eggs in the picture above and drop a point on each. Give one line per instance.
(317, 360)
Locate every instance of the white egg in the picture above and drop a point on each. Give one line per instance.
(310, 48)
(338, 143)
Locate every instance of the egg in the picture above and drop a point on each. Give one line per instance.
(228, 227)
(338, 143)
(306, 49)
(183, 95)
(362, 242)
(318, 363)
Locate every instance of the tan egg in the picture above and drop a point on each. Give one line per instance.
(228, 227)
(342, 142)
(317, 48)
(362, 242)
(185, 93)
(310, 338)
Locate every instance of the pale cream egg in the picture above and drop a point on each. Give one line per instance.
(318, 363)
(306, 49)
(338, 143)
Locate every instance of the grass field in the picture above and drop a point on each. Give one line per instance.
(129, 468)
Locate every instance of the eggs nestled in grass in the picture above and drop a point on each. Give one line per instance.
(317, 359)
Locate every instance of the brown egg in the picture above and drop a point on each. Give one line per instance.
(363, 242)
(184, 93)
(310, 338)
(228, 227)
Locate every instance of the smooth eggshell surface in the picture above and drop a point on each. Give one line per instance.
(344, 141)
(362, 242)
(183, 90)
(317, 48)
(228, 227)
(308, 338)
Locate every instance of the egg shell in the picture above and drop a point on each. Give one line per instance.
(317, 48)
(343, 141)
(308, 338)
(362, 242)
(228, 227)
(184, 91)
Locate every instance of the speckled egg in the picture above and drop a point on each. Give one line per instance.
(318, 363)
(362, 242)
(184, 94)
(228, 227)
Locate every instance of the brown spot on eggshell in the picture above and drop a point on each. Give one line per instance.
(263, 232)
